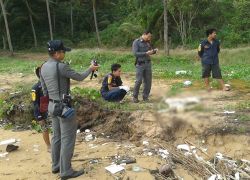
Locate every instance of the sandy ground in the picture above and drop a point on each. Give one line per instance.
(27, 163)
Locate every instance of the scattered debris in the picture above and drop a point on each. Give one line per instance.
(8, 141)
(89, 137)
(187, 83)
(114, 168)
(124, 159)
(15, 93)
(229, 112)
(181, 72)
(136, 168)
(87, 131)
(93, 161)
(11, 147)
(184, 147)
(3, 155)
(163, 153)
(146, 143)
(166, 171)
(215, 177)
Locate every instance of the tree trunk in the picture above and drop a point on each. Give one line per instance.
(71, 20)
(166, 44)
(49, 18)
(54, 20)
(96, 25)
(32, 23)
(4, 43)
(7, 27)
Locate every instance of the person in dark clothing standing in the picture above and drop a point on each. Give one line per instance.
(36, 94)
(208, 51)
(142, 51)
(112, 89)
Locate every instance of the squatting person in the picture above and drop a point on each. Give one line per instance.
(112, 88)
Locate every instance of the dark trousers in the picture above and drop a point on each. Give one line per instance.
(115, 95)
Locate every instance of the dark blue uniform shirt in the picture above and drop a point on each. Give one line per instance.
(110, 79)
(208, 52)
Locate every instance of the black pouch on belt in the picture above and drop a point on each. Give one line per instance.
(58, 109)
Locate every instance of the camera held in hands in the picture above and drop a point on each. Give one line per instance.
(94, 73)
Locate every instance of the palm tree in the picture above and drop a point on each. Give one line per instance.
(49, 18)
(31, 22)
(71, 19)
(166, 47)
(96, 25)
(6, 26)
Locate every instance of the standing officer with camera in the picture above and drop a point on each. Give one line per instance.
(55, 80)
(142, 50)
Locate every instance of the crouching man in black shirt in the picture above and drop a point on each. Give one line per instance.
(112, 88)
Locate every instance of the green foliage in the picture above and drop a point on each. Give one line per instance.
(120, 22)
(5, 107)
(92, 94)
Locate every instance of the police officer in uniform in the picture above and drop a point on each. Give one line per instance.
(208, 51)
(55, 80)
(142, 51)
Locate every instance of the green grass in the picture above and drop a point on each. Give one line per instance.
(13, 65)
(95, 95)
(244, 117)
(235, 64)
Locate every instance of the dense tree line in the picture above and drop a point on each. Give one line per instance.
(31, 23)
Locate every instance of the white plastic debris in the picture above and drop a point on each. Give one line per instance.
(146, 143)
(163, 153)
(8, 141)
(181, 72)
(215, 177)
(227, 85)
(219, 156)
(87, 131)
(184, 147)
(114, 168)
(78, 131)
(3, 155)
(150, 153)
(187, 83)
(229, 112)
(237, 176)
(89, 137)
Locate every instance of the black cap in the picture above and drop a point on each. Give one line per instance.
(57, 45)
